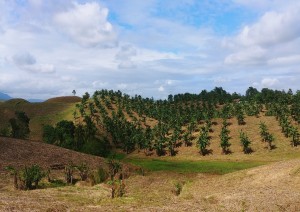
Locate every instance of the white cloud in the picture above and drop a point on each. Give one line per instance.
(269, 42)
(87, 25)
(269, 82)
(273, 28)
(247, 56)
(161, 88)
(285, 60)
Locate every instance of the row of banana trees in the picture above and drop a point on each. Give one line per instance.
(161, 126)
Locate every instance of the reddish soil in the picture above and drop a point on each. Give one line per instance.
(64, 99)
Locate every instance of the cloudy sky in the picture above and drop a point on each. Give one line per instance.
(148, 47)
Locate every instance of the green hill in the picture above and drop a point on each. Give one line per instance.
(48, 112)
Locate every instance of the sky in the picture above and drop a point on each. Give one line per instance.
(152, 48)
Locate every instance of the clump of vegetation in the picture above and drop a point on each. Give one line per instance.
(224, 136)
(5, 132)
(245, 142)
(20, 125)
(83, 171)
(27, 178)
(99, 176)
(203, 141)
(178, 186)
(69, 169)
(266, 135)
(117, 185)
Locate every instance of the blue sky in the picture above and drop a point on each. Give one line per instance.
(150, 47)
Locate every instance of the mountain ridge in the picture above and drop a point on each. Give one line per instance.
(4, 96)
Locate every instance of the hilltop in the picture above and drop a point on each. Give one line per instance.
(64, 99)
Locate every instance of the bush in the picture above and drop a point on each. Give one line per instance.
(99, 176)
(26, 177)
(117, 188)
(97, 147)
(178, 188)
(5, 132)
(83, 171)
(49, 135)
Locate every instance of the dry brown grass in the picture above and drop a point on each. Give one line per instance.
(64, 99)
(273, 187)
(21, 152)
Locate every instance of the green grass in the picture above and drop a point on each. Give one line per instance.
(211, 167)
(53, 184)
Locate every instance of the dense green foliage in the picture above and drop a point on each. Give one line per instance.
(213, 167)
(20, 125)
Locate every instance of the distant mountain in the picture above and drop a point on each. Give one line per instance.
(4, 96)
(35, 100)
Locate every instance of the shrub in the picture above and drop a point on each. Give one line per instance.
(83, 171)
(5, 132)
(69, 173)
(177, 188)
(99, 176)
(117, 188)
(97, 147)
(26, 177)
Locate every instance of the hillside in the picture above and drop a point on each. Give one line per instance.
(18, 153)
(42, 113)
(163, 137)
(273, 187)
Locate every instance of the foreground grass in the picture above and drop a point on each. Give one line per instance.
(210, 167)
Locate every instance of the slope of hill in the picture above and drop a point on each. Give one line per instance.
(273, 187)
(18, 153)
(40, 114)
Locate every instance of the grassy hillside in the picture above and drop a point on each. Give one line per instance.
(48, 112)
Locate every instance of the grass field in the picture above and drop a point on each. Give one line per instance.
(185, 166)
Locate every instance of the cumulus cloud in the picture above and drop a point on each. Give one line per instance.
(273, 28)
(269, 41)
(87, 25)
